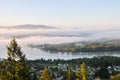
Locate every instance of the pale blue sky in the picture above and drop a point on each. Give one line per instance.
(65, 13)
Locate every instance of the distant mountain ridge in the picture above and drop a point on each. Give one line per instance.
(28, 26)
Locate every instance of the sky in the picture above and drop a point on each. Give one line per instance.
(61, 13)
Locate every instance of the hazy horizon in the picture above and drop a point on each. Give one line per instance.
(92, 14)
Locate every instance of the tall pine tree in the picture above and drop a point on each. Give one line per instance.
(45, 74)
(14, 67)
(82, 73)
(69, 74)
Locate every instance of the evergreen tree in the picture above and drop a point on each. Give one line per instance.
(45, 74)
(69, 74)
(14, 67)
(82, 72)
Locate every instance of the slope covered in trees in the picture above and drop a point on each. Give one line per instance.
(79, 47)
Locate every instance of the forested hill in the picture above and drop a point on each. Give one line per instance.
(84, 46)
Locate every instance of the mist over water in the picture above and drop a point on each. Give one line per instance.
(51, 36)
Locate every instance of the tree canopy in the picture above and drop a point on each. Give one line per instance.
(14, 67)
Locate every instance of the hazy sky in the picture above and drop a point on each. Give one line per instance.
(65, 13)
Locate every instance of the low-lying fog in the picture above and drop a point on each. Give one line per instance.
(50, 35)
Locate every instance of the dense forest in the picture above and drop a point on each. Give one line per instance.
(17, 67)
(93, 65)
(103, 61)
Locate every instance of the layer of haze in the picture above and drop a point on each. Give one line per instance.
(53, 36)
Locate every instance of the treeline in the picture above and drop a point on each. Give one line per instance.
(103, 61)
(77, 47)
